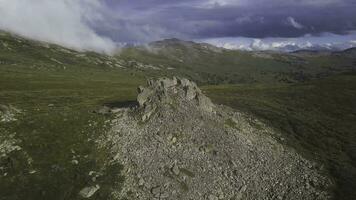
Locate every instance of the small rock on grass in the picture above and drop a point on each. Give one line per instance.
(88, 192)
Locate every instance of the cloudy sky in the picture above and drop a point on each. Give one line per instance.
(244, 24)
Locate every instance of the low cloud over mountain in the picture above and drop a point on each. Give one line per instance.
(325, 42)
(62, 22)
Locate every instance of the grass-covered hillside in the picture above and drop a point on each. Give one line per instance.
(57, 91)
(49, 152)
(211, 65)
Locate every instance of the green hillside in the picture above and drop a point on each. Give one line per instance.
(212, 65)
(57, 91)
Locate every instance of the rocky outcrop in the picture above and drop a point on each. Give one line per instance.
(8, 113)
(173, 92)
(178, 145)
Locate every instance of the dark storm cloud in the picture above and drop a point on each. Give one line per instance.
(100, 25)
(195, 19)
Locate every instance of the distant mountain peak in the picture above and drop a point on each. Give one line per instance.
(172, 41)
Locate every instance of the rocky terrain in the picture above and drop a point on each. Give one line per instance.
(176, 144)
(8, 142)
(8, 113)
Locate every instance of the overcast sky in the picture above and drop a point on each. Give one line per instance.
(246, 24)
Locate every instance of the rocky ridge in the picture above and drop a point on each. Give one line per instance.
(176, 144)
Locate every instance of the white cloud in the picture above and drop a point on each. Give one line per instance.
(215, 3)
(291, 21)
(223, 2)
(229, 46)
(326, 41)
(64, 22)
(257, 44)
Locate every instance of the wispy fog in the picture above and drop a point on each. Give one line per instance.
(64, 22)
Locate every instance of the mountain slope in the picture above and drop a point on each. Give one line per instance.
(207, 64)
(348, 52)
(49, 151)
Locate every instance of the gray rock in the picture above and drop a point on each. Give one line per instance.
(143, 96)
(184, 82)
(213, 197)
(167, 83)
(75, 162)
(88, 192)
(104, 110)
(148, 111)
(190, 92)
(141, 182)
(175, 170)
(156, 191)
(205, 103)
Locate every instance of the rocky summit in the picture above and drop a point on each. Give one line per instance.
(176, 144)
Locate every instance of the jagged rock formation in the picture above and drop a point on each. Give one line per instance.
(178, 145)
(160, 92)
